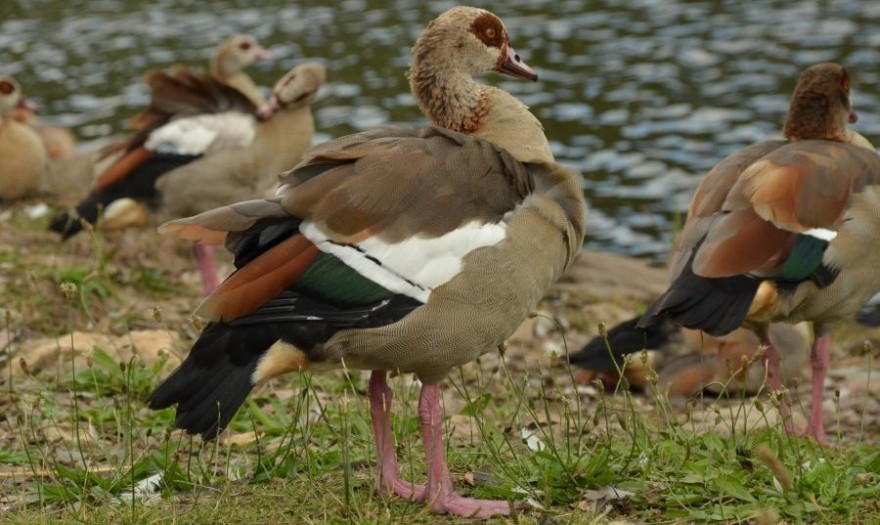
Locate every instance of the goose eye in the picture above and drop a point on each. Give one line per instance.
(489, 30)
(6, 87)
(244, 46)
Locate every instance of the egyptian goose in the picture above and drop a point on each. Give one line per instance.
(784, 230)
(22, 155)
(70, 176)
(688, 361)
(227, 66)
(403, 250)
(220, 154)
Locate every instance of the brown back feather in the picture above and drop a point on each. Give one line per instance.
(372, 183)
(710, 197)
(792, 189)
(808, 184)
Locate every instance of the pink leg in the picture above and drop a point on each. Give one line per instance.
(820, 359)
(440, 495)
(387, 471)
(771, 358)
(207, 267)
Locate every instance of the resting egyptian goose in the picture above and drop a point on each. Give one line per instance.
(689, 361)
(227, 66)
(22, 155)
(784, 230)
(730, 364)
(220, 154)
(403, 250)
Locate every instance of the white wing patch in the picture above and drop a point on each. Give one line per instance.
(203, 134)
(413, 267)
(822, 233)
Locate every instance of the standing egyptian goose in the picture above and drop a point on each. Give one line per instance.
(220, 154)
(22, 155)
(227, 67)
(405, 250)
(784, 230)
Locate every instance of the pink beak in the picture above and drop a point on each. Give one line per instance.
(514, 66)
(28, 105)
(268, 109)
(264, 54)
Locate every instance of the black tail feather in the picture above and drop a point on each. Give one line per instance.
(69, 224)
(215, 378)
(218, 374)
(624, 339)
(717, 306)
(139, 185)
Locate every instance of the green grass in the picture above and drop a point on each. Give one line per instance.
(311, 458)
(75, 440)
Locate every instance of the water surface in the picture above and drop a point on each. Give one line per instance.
(642, 96)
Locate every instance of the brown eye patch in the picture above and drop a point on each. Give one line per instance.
(489, 30)
(6, 87)
(244, 46)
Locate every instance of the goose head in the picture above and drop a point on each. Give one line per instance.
(820, 107)
(12, 100)
(295, 89)
(237, 53)
(466, 41)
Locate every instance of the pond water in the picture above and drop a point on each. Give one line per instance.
(642, 96)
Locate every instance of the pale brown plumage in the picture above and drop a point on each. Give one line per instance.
(394, 250)
(23, 157)
(784, 230)
(58, 141)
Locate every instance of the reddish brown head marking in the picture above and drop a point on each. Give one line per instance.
(489, 29)
(6, 87)
(244, 46)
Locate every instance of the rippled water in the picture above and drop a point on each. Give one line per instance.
(643, 96)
